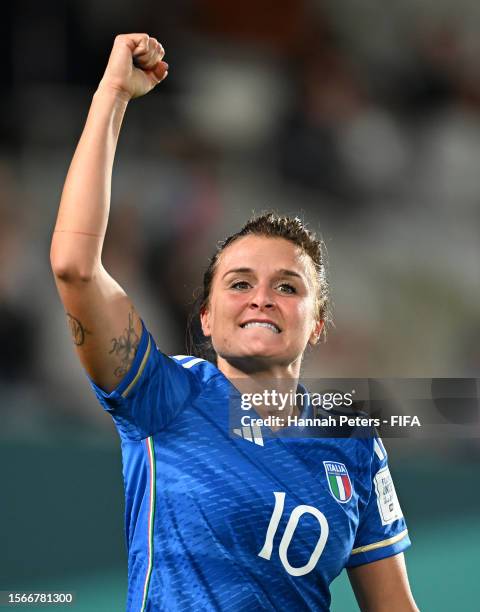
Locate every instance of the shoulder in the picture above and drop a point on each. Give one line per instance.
(198, 367)
(354, 429)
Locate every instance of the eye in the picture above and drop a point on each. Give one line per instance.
(240, 285)
(287, 288)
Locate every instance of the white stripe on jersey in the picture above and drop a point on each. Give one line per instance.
(247, 434)
(257, 435)
(379, 450)
(193, 362)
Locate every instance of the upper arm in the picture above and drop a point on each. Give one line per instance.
(381, 531)
(104, 325)
(382, 586)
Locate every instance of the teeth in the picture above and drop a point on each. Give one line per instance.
(261, 324)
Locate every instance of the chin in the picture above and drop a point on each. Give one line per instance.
(256, 354)
(251, 353)
(261, 348)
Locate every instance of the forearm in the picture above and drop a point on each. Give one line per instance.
(84, 207)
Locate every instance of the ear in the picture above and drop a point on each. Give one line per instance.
(205, 321)
(316, 333)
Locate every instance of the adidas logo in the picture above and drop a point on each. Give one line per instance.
(252, 433)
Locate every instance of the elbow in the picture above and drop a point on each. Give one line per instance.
(70, 268)
(71, 275)
(70, 271)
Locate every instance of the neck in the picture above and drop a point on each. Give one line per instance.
(276, 383)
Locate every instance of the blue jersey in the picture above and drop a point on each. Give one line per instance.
(220, 521)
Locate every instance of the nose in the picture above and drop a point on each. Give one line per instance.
(263, 298)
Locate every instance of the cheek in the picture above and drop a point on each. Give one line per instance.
(233, 304)
(226, 311)
(304, 314)
(301, 309)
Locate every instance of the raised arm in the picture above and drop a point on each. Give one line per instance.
(105, 326)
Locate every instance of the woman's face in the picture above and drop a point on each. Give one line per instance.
(262, 303)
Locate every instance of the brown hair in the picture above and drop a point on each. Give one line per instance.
(269, 225)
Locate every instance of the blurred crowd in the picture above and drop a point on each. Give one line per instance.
(362, 119)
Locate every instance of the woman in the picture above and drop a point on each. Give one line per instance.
(214, 521)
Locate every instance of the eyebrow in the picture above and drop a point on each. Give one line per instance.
(281, 272)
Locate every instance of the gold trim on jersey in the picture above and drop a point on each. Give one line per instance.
(381, 544)
(140, 370)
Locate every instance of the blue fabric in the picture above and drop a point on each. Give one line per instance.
(215, 494)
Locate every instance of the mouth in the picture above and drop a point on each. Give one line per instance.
(265, 324)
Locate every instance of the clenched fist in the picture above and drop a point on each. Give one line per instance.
(135, 65)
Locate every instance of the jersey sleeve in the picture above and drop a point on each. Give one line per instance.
(382, 531)
(150, 395)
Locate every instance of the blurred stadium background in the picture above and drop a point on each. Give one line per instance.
(363, 118)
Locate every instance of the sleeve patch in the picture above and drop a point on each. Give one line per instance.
(387, 500)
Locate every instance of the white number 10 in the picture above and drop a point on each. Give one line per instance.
(297, 512)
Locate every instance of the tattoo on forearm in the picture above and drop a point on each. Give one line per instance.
(125, 347)
(77, 330)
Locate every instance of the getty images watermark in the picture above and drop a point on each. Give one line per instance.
(420, 407)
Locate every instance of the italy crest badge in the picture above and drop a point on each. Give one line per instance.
(338, 481)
